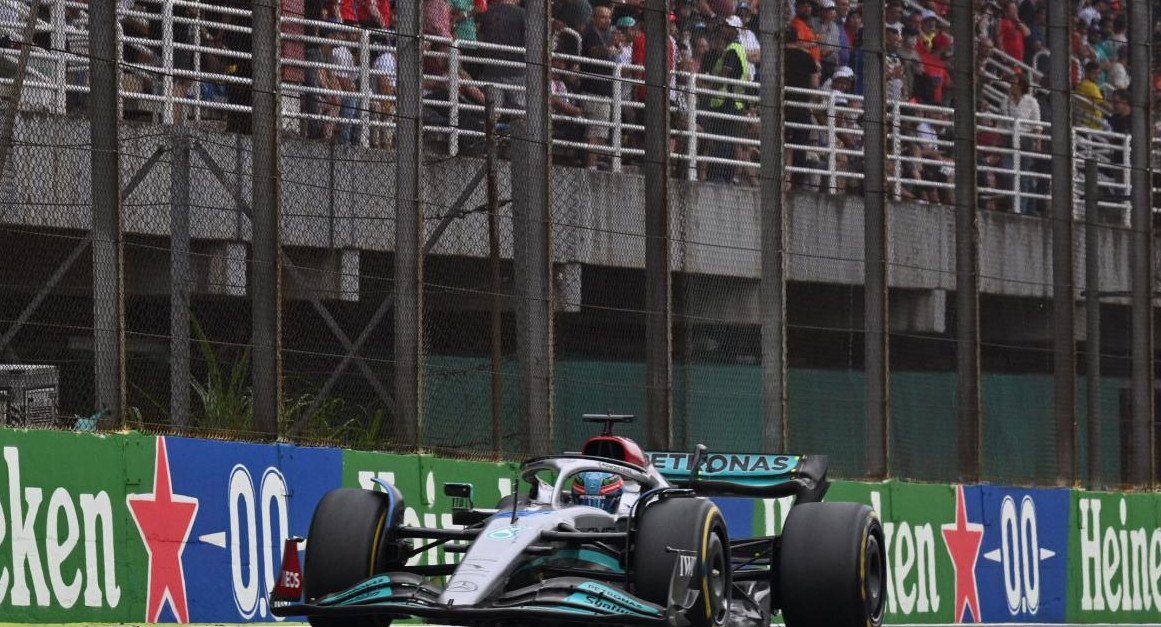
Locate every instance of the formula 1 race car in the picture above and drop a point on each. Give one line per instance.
(610, 535)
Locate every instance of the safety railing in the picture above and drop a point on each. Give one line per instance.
(188, 61)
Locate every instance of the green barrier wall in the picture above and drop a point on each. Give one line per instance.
(133, 528)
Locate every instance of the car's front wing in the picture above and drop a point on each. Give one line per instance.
(559, 599)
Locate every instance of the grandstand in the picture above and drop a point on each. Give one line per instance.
(188, 158)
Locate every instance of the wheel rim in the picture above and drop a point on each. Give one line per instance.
(873, 584)
(716, 578)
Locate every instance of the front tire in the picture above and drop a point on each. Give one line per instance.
(349, 541)
(833, 568)
(689, 524)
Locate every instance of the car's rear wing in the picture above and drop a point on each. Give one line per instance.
(742, 474)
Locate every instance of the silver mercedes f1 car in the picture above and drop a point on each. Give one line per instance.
(610, 535)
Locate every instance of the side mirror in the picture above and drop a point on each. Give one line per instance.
(461, 494)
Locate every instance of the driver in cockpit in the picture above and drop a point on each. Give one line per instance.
(605, 490)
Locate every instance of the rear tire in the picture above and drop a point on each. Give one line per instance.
(690, 524)
(833, 571)
(349, 541)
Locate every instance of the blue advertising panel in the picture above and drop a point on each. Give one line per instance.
(1022, 567)
(739, 515)
(247, 498)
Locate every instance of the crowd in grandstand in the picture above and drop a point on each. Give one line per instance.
(716, 38)
(717, 41)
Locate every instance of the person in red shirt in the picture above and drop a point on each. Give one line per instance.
(365, 13)
(1013, 32)
(937, 76)
(639, 57)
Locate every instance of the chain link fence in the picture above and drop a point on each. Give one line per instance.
(189, 273)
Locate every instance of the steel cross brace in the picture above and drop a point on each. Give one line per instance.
(385, 306)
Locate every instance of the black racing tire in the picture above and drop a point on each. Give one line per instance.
(833, 569)
(349, 541)
(691, 524)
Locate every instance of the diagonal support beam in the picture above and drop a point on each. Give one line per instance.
(45, 290)
(220, 174)
(143, 171)
(457, 209)
(386, 305)
(296, 276)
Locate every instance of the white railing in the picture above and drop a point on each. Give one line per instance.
(191, 72)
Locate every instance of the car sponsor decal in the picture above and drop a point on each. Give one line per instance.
(505, 533)
(726, 466)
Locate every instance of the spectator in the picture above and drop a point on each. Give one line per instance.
(830, 37)
(437, 18)
(730, 63)
(1013, 31)
(625, 34)
(344, 80)
(930, 36)
(840, 85)
(927, 147)
(503, 25)
(802, 72)
(1023, 113)
(599, 45)
(383, 77)
(901, 65)
(1121, 116)
(854, 30)
(1118, 74)
(571, 20)
(748, 39)
(463, 20)
(562, 103)
(1091, 107)
(894, 13)
(365, 13)
(844, 11)
(936, 77)
(804, 31)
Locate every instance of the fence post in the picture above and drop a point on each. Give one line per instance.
(967, 287)
(1143, 465)
(875, 237)
(1092, 308)
(408, 334)
(453, 98)
(772, 290)
(1063, 297)
(658, 279)
(532, 194)
(265, 257)
(497, 279)
(617, 118)
(179, 272)
(108, 248)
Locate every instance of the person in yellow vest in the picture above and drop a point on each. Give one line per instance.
(730, 63)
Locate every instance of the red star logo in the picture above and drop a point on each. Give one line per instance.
(164, 520)
(963, 540)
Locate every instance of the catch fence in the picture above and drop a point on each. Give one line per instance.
(188, 166)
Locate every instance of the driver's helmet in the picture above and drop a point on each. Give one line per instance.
(598, 489)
